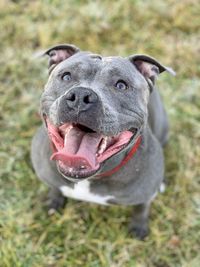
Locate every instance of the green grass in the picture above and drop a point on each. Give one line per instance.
(86, 234)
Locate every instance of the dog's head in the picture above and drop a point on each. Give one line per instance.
(94, 106)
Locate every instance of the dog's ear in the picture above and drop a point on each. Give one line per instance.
(149, 67)
(59, 53)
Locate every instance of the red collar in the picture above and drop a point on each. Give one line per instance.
(125, 160)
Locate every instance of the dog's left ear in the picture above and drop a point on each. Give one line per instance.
(149, 67)
(59, 53)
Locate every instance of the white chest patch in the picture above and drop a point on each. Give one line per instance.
(81, 191)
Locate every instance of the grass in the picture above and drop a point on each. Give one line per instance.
(87, 234)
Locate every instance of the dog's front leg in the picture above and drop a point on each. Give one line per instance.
(56, 201)
(139, 222)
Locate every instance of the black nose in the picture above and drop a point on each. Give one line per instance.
(80, 98)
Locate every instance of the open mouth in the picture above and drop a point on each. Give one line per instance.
(79, 151)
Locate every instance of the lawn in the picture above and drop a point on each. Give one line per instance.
(85, 234)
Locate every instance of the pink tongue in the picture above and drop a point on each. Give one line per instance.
(79, 149)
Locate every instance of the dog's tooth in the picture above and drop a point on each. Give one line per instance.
(102, 146)
(83, 167)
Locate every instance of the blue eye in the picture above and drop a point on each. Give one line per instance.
(66, 76)
(121, 85)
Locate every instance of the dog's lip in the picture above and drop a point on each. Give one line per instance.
(75, 172)
(132, 129)
(75, 175)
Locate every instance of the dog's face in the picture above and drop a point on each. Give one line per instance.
(94, 106)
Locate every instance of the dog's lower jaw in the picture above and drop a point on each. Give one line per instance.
(76, 178)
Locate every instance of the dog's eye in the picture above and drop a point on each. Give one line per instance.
(121, 85)
(66, 76)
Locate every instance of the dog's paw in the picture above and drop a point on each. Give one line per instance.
(55, 205)
(139, 231)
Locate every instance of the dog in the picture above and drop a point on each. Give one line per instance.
(104, 126)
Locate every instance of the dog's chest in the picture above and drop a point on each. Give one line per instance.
(82, 192)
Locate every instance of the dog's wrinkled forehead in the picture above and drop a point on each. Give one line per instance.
(93, 65)
(61, 56)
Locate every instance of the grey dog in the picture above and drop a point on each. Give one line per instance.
(103, 129)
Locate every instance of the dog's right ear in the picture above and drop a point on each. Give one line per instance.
(59, 53)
